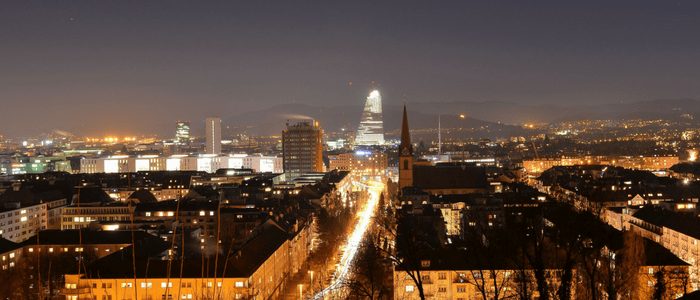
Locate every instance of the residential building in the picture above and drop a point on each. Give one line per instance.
(213, 136)
(302, 149)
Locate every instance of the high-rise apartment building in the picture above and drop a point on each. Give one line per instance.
(303, 150)
(182, 132)
(371, 131)
(213, 137)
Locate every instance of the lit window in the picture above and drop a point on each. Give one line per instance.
(239, 283)
(166, 284)
(409, 288)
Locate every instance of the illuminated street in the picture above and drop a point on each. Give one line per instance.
(341, 274)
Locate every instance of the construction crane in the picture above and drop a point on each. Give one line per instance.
(346, 120)
(535, 148)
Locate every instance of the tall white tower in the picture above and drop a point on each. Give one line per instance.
(213, 145)
(371, 130)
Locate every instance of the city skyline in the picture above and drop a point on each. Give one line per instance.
(85, 67)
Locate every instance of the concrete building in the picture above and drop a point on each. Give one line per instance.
(213, 136)
(17, 165)
(203, 162)
(302, 149)
(92, 204)
(10, 254)
(457, 274)
(361, 162)
(23, 212)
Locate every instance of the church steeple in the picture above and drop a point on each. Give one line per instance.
(406, 148)
(405, 153)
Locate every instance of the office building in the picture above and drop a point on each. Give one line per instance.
(213, 137)
(202, 162)
(182, 132)
(371, 131)
(301, 144)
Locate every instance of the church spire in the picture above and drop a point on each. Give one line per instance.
(406, 147)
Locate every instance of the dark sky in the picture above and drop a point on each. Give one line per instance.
(100, 67)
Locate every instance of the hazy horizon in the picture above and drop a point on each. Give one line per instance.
(90, 67)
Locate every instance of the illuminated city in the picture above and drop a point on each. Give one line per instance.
(402, 150)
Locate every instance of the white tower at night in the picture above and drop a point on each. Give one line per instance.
(213, 145)
(371, 130)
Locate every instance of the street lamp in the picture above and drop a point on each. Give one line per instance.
(312, 280)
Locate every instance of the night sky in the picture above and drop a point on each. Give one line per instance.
(115, 67)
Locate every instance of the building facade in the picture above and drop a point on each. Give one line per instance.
(302, 149)
(203, 162)
(371, 130)
(182, 132)
(362, 162)
(213, 138)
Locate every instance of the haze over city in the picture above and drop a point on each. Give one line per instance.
(120, 67)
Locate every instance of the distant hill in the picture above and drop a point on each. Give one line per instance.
(488, 113)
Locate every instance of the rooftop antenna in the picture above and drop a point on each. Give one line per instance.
(439, 135)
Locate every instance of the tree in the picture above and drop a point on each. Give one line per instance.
(371, 273)
(622, 275)
(491, 247)
(660, 285)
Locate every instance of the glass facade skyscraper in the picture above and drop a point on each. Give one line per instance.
(371, 130)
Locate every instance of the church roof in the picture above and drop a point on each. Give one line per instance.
(405, 135)
(449, 177)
